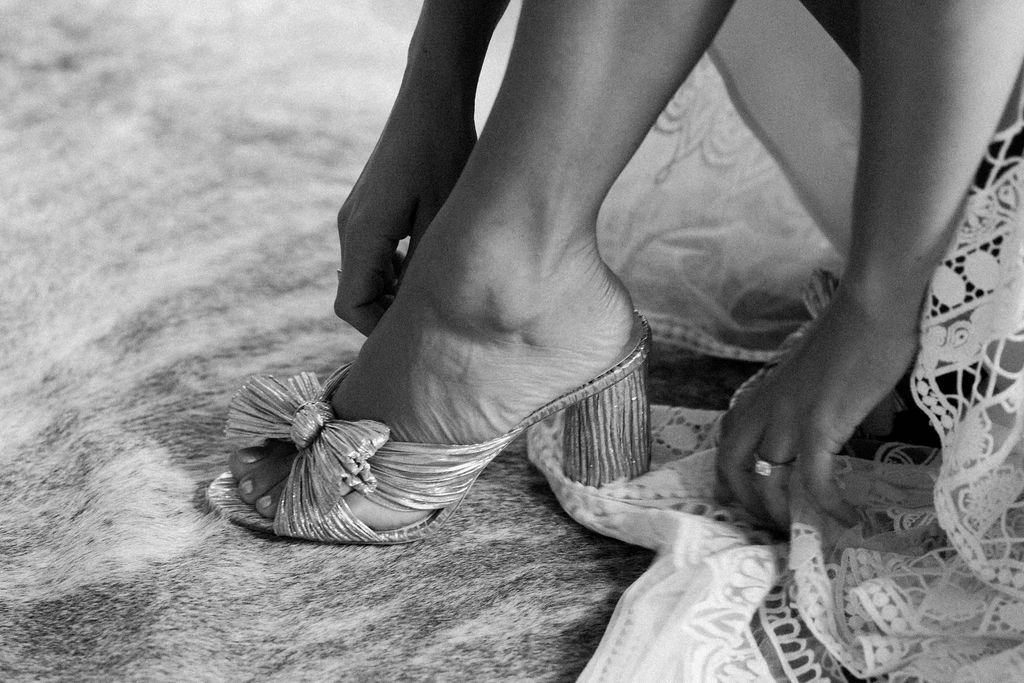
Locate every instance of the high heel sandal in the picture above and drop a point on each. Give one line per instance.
(607, 433)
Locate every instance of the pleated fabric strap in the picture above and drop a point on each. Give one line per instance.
(337, 455)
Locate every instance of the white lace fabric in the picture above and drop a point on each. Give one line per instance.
(930, 586)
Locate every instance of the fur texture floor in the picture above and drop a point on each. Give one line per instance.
(170, 176)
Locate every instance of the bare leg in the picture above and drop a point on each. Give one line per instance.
(936, 77)
(507, 303)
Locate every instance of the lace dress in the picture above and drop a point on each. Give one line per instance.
(930, 585)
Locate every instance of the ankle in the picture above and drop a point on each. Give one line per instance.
(510, 287)
(518, 214)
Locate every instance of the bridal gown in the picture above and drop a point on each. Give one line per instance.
(716, 228)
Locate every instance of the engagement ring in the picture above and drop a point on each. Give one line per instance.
(764, 468)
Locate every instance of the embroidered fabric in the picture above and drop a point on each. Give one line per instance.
(946, 587)
(930, 587)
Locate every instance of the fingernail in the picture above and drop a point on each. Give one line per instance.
(264, 502)
(246, 487)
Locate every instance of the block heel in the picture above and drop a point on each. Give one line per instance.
(607, 436)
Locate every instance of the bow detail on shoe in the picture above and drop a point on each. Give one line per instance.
(308, 421)
(299, 410)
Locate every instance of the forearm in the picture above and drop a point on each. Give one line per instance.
(936, 78)
(448, 48)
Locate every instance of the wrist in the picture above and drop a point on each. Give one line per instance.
(438, 85)
(894, 272)
(886, 295)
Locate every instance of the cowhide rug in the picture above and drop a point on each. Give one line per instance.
(170, 173)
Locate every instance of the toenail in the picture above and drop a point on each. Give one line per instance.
(264, 502)
(246, 487)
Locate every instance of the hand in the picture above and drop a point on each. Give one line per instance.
(808, 406)
(410, 173)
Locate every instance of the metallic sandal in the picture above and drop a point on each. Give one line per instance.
(607, 434)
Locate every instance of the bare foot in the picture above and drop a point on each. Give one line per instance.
(810, 404)
(470, 347)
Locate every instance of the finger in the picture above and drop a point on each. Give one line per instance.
(777, 447)
(363, 317)
(816, 474)
(364, 295)
(368, 267)
(741, 432)
(773, 492)
(367, 279)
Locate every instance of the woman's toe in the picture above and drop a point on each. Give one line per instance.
(245, 460)
(266, 504)
(258, 471)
